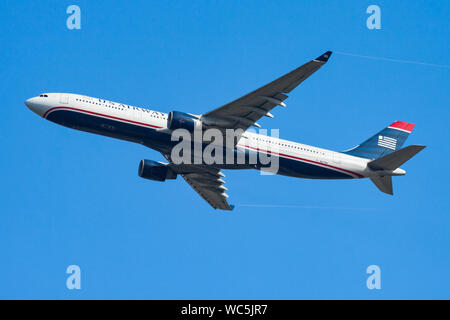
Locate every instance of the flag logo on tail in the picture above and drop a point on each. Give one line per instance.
(387, 142)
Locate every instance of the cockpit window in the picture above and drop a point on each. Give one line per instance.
(43, 96)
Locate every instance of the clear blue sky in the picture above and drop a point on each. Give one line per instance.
(69, 197)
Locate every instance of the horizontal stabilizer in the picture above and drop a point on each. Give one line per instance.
(384, 183)
(395, 159)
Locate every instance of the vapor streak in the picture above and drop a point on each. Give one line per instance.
(304, 207)
(395, 60)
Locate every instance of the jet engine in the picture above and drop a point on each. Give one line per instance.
(181, 120)
(153, 170)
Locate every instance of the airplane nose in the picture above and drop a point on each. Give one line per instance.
(34, 105)
(28, 102)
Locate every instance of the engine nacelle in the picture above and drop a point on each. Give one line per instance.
(181, 120)
(153, 170)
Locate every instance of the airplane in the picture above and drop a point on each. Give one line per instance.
(378, 158)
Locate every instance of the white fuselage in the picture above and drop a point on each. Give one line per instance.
(150, 128)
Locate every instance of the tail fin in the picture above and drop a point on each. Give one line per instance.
(384, 142)
(395, 159)
(384, 183)
(388, 164)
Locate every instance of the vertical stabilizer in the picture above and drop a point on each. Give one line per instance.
(386, 141)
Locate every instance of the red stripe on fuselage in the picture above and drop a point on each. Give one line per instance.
(303, 159)
(102, 115)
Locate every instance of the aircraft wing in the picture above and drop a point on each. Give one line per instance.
(245, 111)
(209, 188)
(206, 181)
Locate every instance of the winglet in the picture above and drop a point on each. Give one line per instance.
(324, 57)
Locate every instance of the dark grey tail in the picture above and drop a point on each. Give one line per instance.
(386, 167)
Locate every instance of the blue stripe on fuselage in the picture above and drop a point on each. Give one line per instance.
(162, 142)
